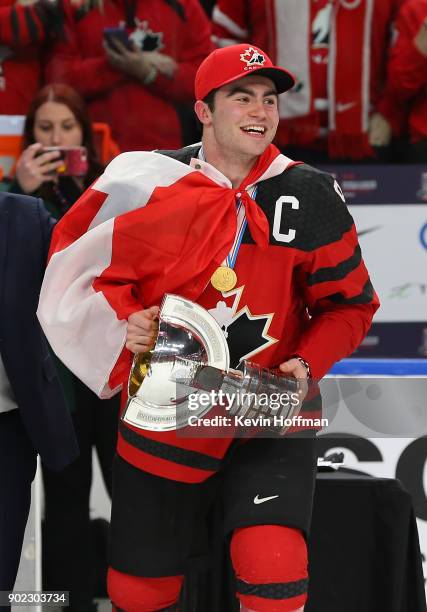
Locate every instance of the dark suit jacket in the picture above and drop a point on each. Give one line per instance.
(25, 229)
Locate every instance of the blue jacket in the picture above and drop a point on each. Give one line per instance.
(25, 230)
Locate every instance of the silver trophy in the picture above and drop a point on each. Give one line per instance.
(191, 361)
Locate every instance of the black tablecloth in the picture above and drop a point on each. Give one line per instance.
(364, 552)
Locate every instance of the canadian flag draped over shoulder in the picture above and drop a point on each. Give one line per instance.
(149, 225)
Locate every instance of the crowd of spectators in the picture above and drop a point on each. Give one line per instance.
(360, 67)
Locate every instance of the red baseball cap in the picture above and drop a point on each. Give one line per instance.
(228, 64)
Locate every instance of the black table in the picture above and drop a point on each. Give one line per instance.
(364, 552)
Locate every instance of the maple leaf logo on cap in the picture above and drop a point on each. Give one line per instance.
(252, 57)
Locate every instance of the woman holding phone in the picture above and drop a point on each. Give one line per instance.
(58, 118)
(57, 124)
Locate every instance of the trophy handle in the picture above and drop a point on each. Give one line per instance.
(140, 368)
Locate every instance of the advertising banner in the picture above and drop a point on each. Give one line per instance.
(389, 206)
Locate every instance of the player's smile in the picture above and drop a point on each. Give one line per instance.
(257, 131)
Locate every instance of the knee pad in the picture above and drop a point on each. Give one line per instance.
(270, 563)
(139, 594)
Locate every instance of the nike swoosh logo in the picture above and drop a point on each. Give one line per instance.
(368, 230)
(261, 500)
(341, 107)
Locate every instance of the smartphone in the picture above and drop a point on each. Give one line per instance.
(74, 160)
(112, 34)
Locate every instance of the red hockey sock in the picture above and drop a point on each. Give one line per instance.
(270, 562)
(140, 594)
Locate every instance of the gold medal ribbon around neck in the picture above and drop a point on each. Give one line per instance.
(225, 278)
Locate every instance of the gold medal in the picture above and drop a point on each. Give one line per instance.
(224, 278)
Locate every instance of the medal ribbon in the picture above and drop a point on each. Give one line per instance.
(257, 221)
(241, 227)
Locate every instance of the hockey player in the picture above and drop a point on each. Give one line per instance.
(298, 297)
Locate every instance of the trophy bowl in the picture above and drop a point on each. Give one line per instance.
(158, 397)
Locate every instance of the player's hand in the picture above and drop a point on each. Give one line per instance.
(295, 369)
(34, 167)
(379, 131)
(142, 330)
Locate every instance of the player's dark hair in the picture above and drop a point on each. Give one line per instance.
(210, 100)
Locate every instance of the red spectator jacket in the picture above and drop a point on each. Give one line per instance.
(141, 116)
(408, 68)
(22, 28)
